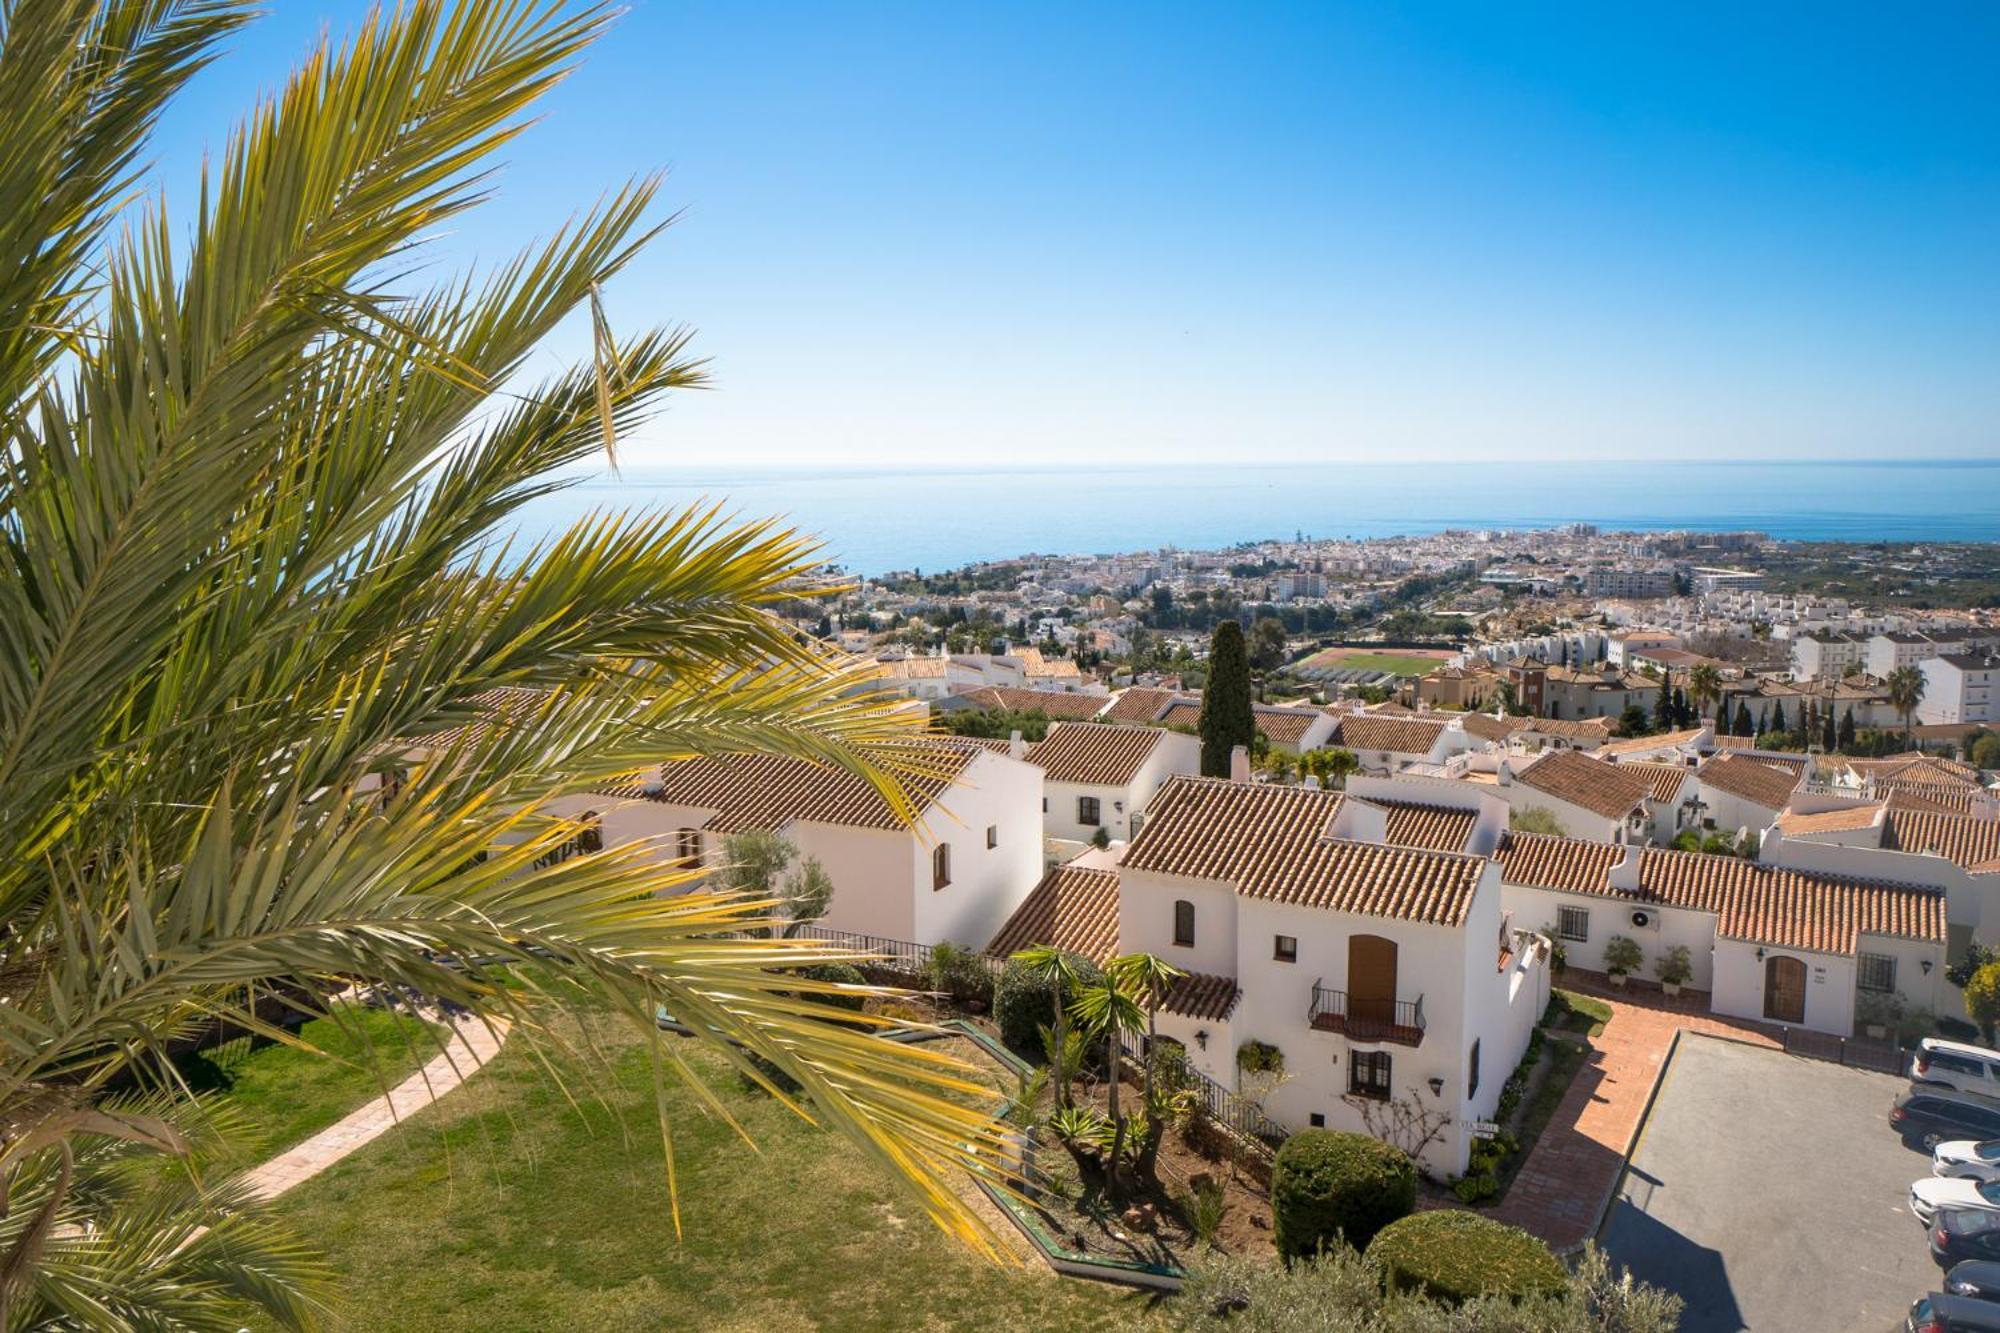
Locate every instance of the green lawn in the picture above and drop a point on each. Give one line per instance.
(1395, 663)
(505, 1207)
(1578, 1012)
(288, 1095)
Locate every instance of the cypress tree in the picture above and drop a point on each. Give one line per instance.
(1847, 729)
(1721, 712)
(1227, 720)
(1663, 707)
(1743, 724)
(1829, 740)
(1683, 710)
(1778, 716)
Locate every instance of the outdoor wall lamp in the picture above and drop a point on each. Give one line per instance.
(1926, 966)
(1201, 1039)
(1760, 953)
(1437, 1087)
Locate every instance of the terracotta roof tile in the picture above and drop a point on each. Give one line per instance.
(1272, 842)
(1095, 753)
(1960, 839)
(1843, 820)
(1574, 728)
(1545, 861)
(1073, 908)
(1279, 725)
(1666, 740)
(1140, 704)
(1663, 780)
(1439, 828)
(1610, 790)
(1200, 995)
(1486, 727)
(1928, 796)
(1395, 735)
(769, 791)
(1055, 703)
(1766, 783)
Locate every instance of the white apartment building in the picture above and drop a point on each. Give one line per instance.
(1773, 942)
(1620, 648)
(1100, 775)
(1959, 687)
(1588, 798)
(1712, 579)
(1629, 581)
(1380, 972)
(1887, 652)
(1826, 656)
(972, 855)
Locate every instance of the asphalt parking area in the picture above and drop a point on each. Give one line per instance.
(1768, 1191)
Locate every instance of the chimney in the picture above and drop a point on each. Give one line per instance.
(1239, 763)
(1504, 774)
(1016, 747)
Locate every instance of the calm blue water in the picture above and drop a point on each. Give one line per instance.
(876, 521)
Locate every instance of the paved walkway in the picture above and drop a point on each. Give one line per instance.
(1569, 1175)
(473, 1043)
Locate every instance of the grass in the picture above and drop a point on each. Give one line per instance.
(289, 1095)
(505, 1206)
(1577, 1012)
(1394, 663)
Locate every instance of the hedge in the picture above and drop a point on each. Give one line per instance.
(1024, 1003)
(840, 974)
(1457, 1255)
(1328, 1185)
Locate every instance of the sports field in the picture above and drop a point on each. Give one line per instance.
(1404, 662)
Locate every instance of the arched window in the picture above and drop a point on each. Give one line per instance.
(1184, 923)
(940, 866)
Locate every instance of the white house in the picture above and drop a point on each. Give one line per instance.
(1387, 743)
(972, 855)
(1770, 942)
(1743, 791)
(1586, 797)
(1379, 972)
(1099, 775)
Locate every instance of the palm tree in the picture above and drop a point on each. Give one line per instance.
(1147, 978)
(1705, 684)
(276, 710)
(1108, 1009)
(1906, 691)
(1060, 969)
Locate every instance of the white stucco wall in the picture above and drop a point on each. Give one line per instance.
(987, 883)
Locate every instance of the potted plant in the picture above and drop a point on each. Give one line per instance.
(1878, 1011)
(1673, 968)
(1622, 957)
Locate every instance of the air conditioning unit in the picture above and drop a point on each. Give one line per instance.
(1641, 918)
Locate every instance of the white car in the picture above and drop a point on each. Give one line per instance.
(1967, 1159)
(1935, 1192)
(1954, 1064)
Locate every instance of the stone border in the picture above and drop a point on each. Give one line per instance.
(1603, 1209)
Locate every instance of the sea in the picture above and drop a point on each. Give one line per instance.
(874, 521)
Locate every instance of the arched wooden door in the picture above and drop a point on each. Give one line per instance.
(1371, 979)
(1784, 989)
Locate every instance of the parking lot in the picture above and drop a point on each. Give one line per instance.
(1768, 1190)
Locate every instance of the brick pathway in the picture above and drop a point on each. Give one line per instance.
(471, 1046)
(1574, 1165)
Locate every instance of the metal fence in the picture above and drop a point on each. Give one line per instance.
(902, 956)
(1860, 1052)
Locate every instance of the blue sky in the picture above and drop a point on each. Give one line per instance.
(1024, 234)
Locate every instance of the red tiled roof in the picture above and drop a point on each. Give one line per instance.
(1843, 820)
(1095, 753)
(1141, 704)
(1663, 780)
(1753, 779)
(1395, 735)
(1440, 828)
(1610, 790)
(1074, 908)
(769, 791)
(1545, 861)
(1200, 995)
(1272, 842)
(1054, 703)
(1960, 839)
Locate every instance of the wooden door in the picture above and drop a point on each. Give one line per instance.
(1784, 989)
(1371, 978)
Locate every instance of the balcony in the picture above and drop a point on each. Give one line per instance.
(1400, 1021)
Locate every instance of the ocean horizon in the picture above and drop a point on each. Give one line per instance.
(873, 520)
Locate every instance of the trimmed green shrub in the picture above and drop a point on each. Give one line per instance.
(841, 974)
(1458, 1255)
(1328, 1185)
(960, 974)
(1024, 1004)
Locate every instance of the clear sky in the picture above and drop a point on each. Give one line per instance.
(1020, 233)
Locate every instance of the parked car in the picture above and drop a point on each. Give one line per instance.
(1957, 1235)
(1954, 1064)
(1941, 1313)
(1969, 1159)
(1978, 1278)
(1935, 1192)
(1926, 1117)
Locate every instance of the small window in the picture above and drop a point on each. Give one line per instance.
(1875, 971)
(1285, 948)
(940, 866)
(1184, 923)
(1087, 811)
(1472, 1073)
(992, 836)
(1368, 1075)
(1045, 805)
(1573, 923)
(688, 850)
(1316, 1120)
